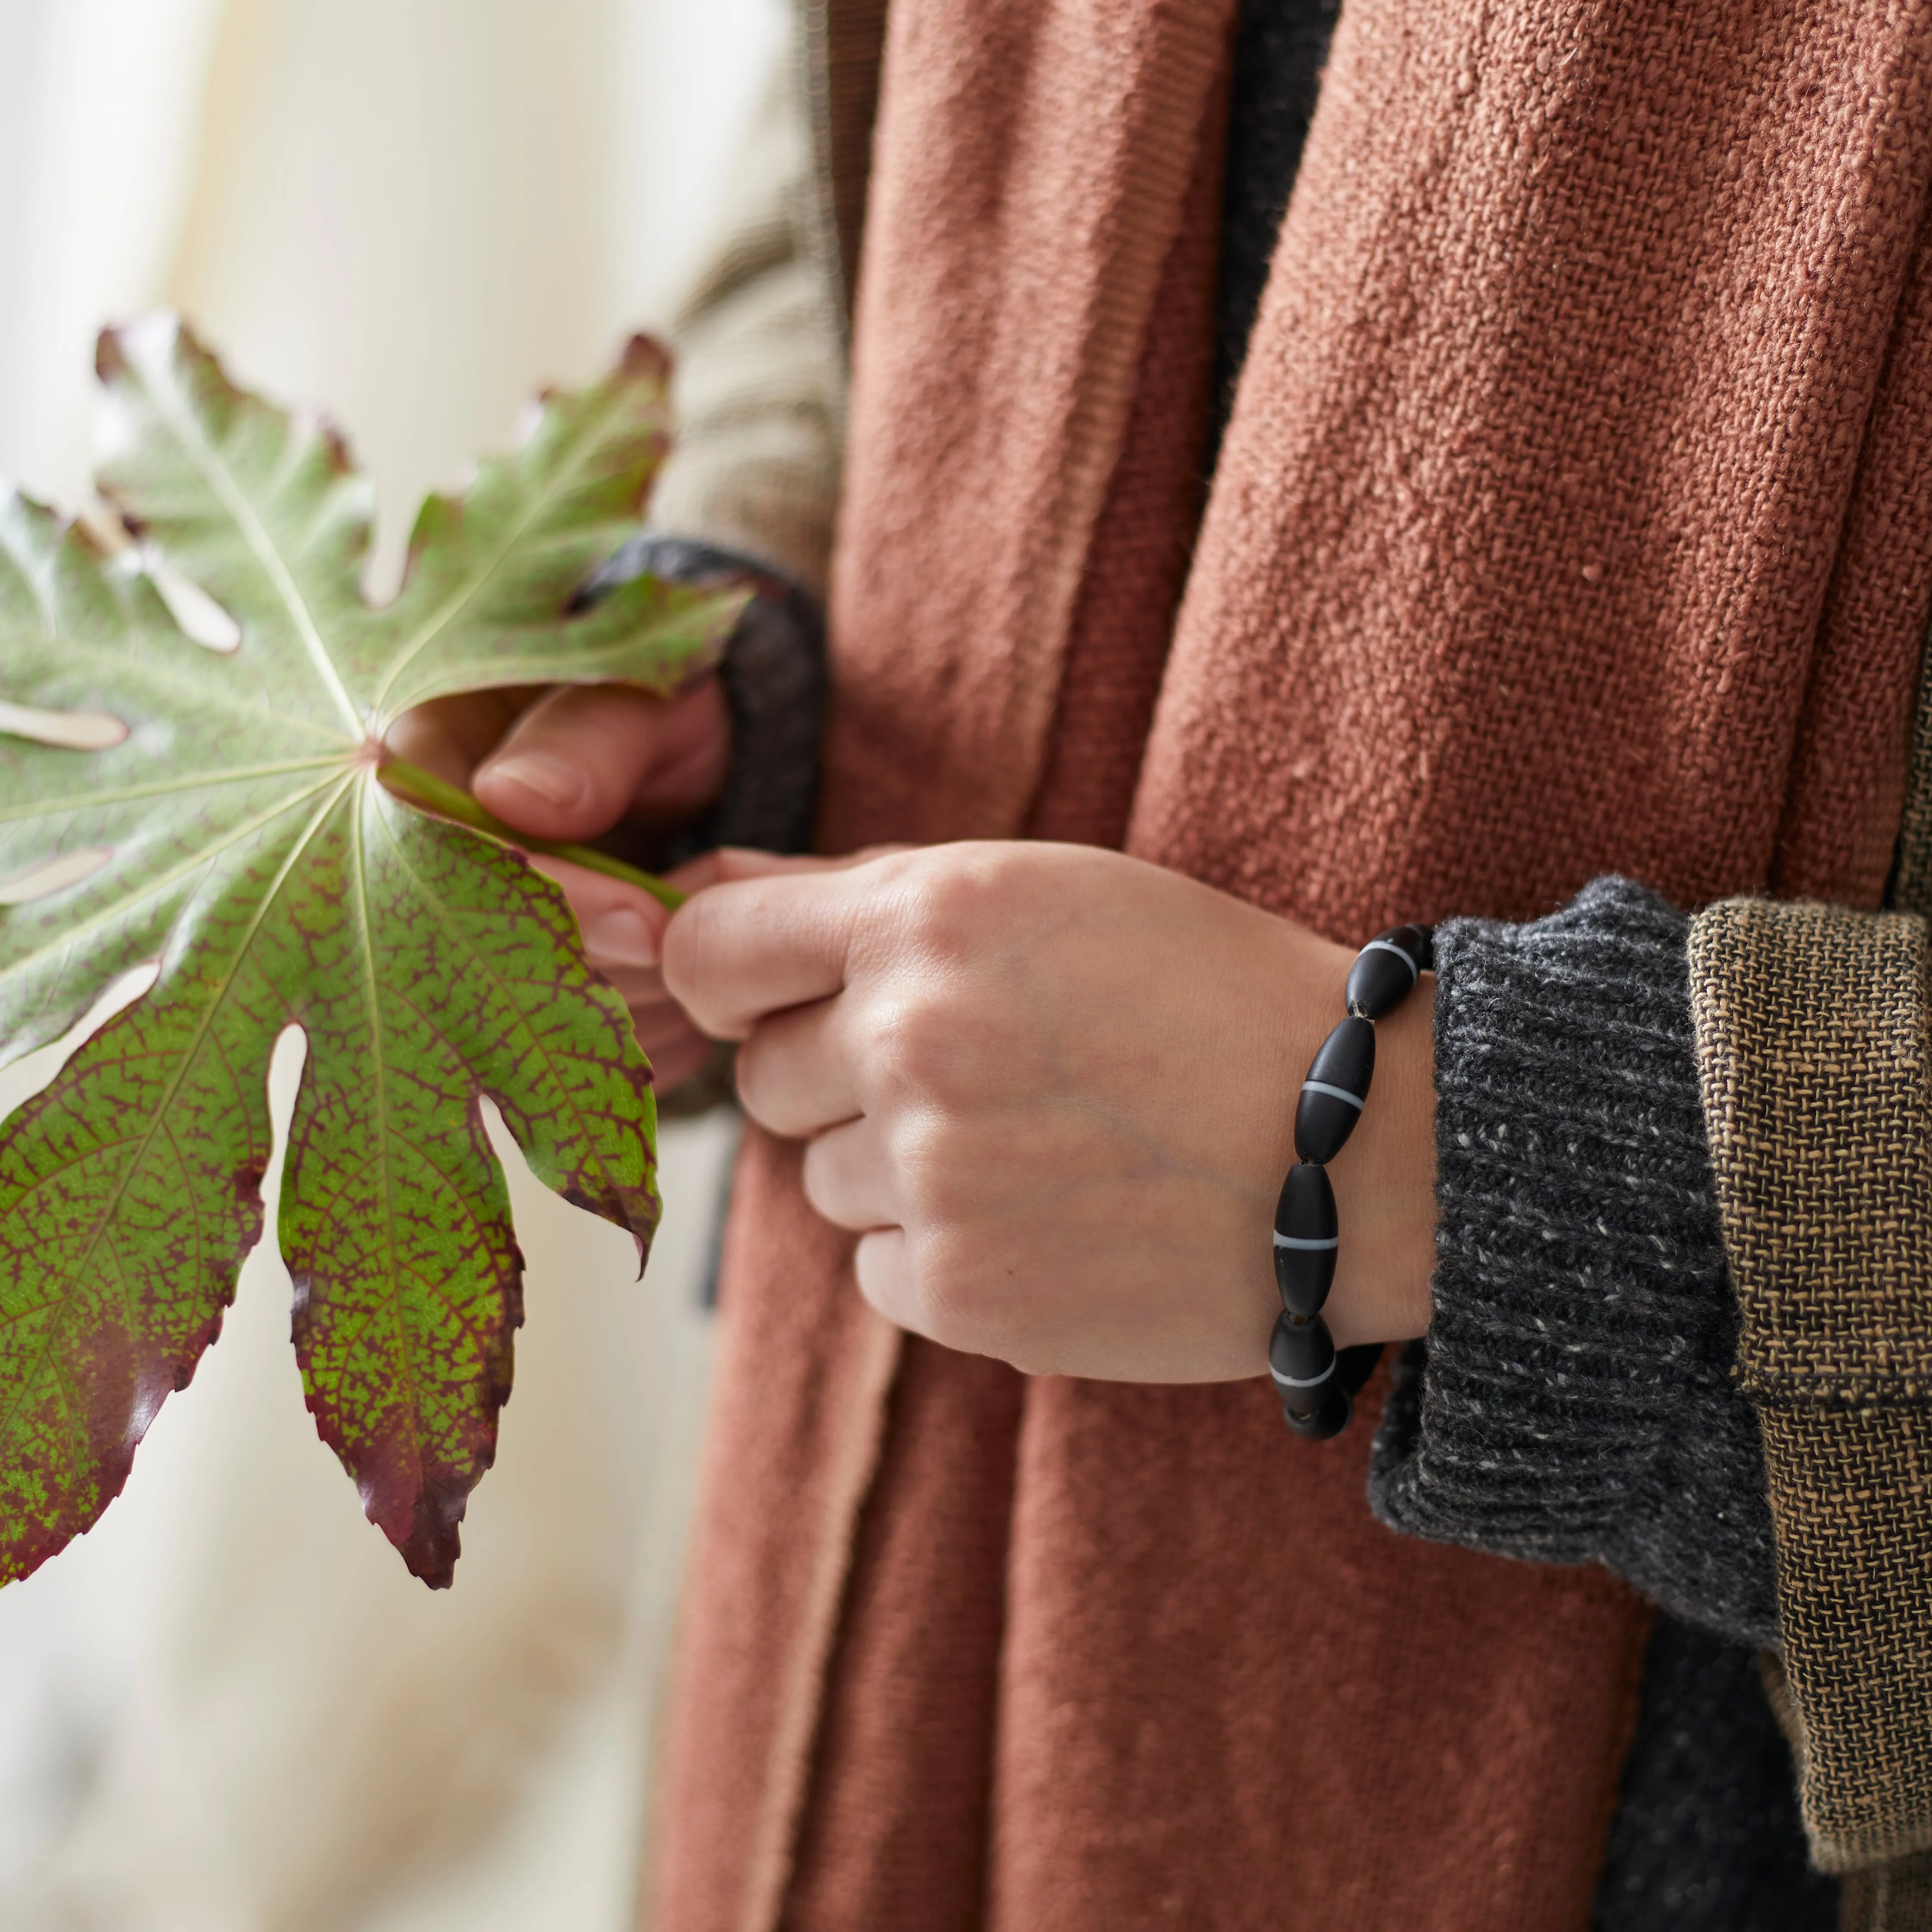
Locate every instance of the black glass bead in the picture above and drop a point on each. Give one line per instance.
(1332, 1095)
(1305, 1239)
(1386, 970)
(1354, 1367)
(1301, 1359)
(1328, 1421)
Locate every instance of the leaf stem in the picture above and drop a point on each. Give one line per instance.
(415, 786)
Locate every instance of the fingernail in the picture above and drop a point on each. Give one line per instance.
(556, 783)
(624, 936)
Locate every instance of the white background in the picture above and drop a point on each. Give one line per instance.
(229, 1708)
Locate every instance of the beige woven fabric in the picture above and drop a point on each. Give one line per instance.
(843, 46)
(1890, 1898)
(1850, 1492)
(1817, 1073)
(759, 378)
(1815, 1058)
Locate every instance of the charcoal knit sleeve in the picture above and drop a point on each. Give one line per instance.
(1574, 1400)
(774, 678)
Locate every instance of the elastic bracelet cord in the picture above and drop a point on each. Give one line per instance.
(1317, 1385)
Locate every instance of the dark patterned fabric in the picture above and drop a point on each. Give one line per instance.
(1707, 1837)
(1279, 47)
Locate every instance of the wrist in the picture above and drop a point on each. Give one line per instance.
(1383, 1178)
(772, 679)
(1384, 1184)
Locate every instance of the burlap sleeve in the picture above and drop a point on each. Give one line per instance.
(758, 389)
(1813, 1027)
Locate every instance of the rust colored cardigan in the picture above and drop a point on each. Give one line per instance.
(1561, 526)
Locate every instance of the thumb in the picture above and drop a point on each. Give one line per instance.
(581, 758)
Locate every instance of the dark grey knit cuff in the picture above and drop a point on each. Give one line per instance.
(773, 674)
(1574, 1400)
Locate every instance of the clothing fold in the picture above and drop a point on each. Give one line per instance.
(1540, 481)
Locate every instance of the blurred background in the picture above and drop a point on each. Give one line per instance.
(228, 1708)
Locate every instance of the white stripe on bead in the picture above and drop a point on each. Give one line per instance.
(1300, 1241)
(1334, 1092)
(1290, 1382)
(1389, 946)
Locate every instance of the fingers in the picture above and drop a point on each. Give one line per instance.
(781, 948)
(673, 1062)
(848, 1178)
(621, 928)
(728, 864)
(882, 1264)
(622, 925)
(742, 950)
(581, 758)
(449, 737)
(797, 1073)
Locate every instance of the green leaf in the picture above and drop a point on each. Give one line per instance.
(226, 814)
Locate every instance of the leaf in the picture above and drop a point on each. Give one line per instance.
(230, 826)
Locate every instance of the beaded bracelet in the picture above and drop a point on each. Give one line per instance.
(1317, 1385)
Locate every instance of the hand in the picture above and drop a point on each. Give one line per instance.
(570, 762)
(1053, 1088)
(573, 761)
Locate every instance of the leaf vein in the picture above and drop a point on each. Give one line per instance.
(185, 1057)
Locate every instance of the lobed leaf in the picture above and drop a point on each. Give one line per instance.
(219, 813)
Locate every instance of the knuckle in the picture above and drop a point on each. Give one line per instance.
(946, 898)
(689, 942)
(758, 1089)
(929, 1167)
(958, 1306)
(911, 1044)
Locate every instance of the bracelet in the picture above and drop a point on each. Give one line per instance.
(1318, 1386)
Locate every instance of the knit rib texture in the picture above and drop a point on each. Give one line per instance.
(1574, 1400)
(773, 675)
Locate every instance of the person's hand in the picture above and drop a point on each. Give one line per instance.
(1053, 1088)
(570, 764)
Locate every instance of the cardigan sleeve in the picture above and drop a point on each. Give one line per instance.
(751, 482)
(1683, 1303)
(758, 378)
(1573, 1401)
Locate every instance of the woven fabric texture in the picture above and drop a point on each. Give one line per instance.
(1851, 1495)
(1816, 1074)
(1531, 499)
(758, 378)
(1912, 880)
(1893, 1898)
(843, 46)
